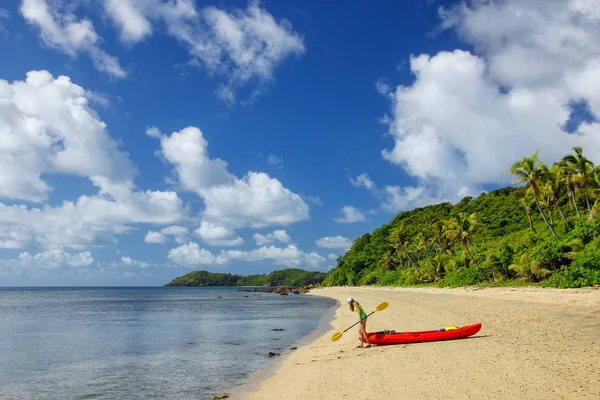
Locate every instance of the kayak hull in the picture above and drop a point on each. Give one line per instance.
(381, 338)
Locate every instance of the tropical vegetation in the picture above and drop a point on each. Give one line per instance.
(545, 232)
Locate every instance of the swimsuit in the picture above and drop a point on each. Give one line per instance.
(363, 314)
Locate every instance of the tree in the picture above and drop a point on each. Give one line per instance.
(551, 190)
(527, 202)
(566, 174)
(533, 173)
(460, 229)
(595, 210)
(583, 170)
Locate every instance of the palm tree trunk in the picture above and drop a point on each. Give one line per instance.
(544, 216)
(561, 214)
(587, 200)
(413, 264)
(574, 200)
(531, 223)
(476, 263)
(550, 211)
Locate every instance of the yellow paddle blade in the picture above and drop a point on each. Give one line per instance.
(382, 306)
(336, 336)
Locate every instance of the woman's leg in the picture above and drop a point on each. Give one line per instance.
(363, 331)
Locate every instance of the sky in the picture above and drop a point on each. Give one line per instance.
(144, 139)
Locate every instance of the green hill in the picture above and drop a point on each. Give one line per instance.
(286, 277)
(546, 231)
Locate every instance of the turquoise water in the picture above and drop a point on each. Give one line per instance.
(143, 343)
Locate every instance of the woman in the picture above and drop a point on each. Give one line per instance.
(362, 327)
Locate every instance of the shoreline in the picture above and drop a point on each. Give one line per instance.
(535, 343)
(255, 379)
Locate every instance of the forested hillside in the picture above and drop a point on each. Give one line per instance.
(546, 230)
(285, 277)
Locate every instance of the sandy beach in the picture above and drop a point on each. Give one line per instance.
(534, 344)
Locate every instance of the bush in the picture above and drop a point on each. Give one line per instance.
(574, 276)
(462, 277)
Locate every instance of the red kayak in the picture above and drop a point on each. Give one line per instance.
(446, 333)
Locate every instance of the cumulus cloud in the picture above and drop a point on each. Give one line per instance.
(54, 258)
(65, 32)
(242, 45)
(349, 215)
(155, 237)
(179, 233)
(455, 127)
(289, 256)
(131, 262)
(47, 127)
(192, 254)
(279, 235)
(218, 235)
(335, 242)
(256, 200)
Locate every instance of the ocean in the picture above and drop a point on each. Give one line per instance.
(144, 343)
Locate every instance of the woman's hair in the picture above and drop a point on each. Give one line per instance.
(352, 306)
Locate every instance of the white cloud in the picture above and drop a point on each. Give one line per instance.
(256, 200)
(155, 237)
(97, 98)
(335, 242)
(153, 132)
(131, 262)
(350, 214)
(179, 233)
(70, 35)
(277, 235)
(316, 200)
(47, 127)
(289, 256)
(332, 256)
(54, 258)
(273, 159)
(456, 126)
(126, 14)
(363, 180)
(382, 87)
(217, 235)
(242, 45)
(191, 255)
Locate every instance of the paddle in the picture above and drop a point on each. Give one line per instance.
(380, 307)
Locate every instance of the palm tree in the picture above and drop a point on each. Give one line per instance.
(566, 174)
(595, 210)
(551, 189)
(527, 202)
(460, 229)
(583, 171)
(533, 173)
(398, 239)
(438, 264)
(388, 262)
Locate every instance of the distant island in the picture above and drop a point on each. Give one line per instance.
(286, 277)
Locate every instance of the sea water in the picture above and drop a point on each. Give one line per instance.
(143, 343)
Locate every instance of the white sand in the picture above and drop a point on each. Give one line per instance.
(534, 344)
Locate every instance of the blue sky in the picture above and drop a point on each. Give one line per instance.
(144, 139)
